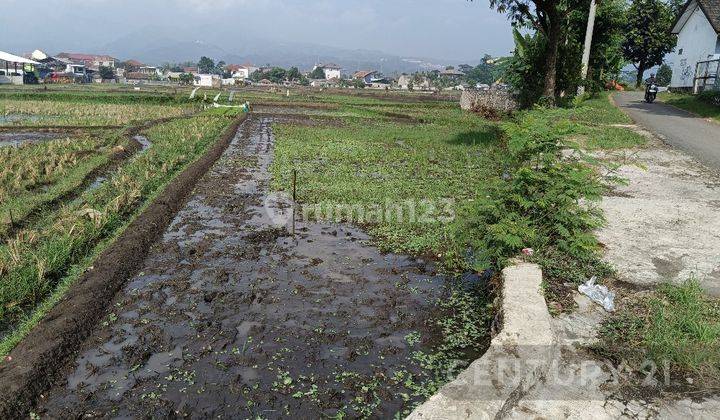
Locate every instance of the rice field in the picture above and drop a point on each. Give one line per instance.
(65, 192)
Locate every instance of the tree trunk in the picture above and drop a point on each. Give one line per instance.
(554, 33)
(641, 71)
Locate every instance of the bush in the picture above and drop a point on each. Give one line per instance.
(711, 96)
(539, 203)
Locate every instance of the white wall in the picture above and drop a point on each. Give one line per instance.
(697, 40)
(332, 74)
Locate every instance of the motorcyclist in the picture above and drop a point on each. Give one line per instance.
(650, 89)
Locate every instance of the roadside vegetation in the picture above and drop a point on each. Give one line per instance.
(676, 326)
(73, 218)
(706, 105)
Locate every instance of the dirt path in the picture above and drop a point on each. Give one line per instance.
(231, 317)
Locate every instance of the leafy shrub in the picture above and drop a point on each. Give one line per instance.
(710, 96)
(539, 205)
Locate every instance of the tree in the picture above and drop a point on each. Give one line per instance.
(186, 79)
(257, 76)
(293, 74)
(206, 65)
(221, 69)
(106, 73)
(647, 34)
(317, 73)
(664, 75)
(525, 70)
(276, 75)
(546, 17)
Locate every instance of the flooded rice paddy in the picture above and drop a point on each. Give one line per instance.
(231, 316)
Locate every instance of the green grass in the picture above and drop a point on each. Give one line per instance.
(692, 104)
(679, 325)
(371, 161)
(452, 157)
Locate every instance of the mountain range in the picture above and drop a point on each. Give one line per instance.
(156, 46)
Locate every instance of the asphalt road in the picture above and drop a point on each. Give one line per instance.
(693, 135)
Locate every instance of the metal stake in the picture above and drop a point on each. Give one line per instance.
(294, 198)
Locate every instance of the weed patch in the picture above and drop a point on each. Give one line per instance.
(676, 324)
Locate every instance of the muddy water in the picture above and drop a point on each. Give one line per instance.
(18, 139)
(232, 317)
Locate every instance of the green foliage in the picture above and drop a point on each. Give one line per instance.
(317, 73)
(664, 75)
(106, 73)
(538, 205)
(358, 84)
(711, 97)
(276, 75)
(187, 78)
(705, 104)
(206, 65)
(257, 76)
(526, 68)
(486, 72)
(677, 325)
(648, 34)
(293, 74)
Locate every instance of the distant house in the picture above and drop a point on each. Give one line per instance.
(208, 80)
(191, 70)
(698, 47)
(421, 83)
(136, 76)
(173, 76)
(366, 76)
(13, 68)
(452, 74)
(132, 65)
(241, 71)
(90, 60)
(325, 83)
(150, 71)
(332, 71)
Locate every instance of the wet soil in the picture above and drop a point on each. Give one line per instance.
(18, 139)
(230, 316)
(33, 365)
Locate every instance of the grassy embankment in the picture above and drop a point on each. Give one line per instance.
(43, 259)
(504, 186)
(675, 327)
(699, 105)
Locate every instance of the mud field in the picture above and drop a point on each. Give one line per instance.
(232, 317)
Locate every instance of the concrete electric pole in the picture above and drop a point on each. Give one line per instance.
(588, 43)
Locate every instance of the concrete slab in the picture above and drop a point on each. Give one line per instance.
(664, 225)
(517, 359)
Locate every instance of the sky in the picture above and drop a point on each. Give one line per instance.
(455, 30)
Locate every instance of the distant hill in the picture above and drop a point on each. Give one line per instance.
(157, 46)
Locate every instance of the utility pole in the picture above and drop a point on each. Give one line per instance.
(588, 44)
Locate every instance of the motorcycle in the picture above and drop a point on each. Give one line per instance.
(651, 91)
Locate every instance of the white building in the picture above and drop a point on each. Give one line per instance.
(12, 68)
(332, 71)
(242, 71)
(697, 29)
(208, 80)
